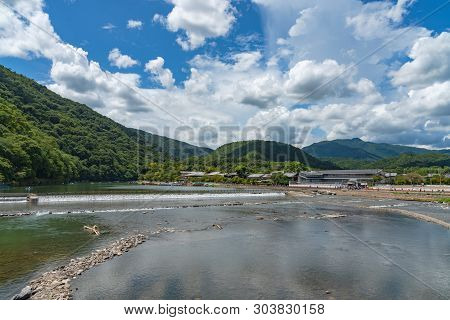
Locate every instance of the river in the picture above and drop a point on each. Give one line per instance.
(269, 245)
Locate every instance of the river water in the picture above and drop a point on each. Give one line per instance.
(271, 246)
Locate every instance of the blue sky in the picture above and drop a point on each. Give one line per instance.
(244, 63)
(81, 22)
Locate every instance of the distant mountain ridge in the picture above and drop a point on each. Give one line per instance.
(357, 149)
(267, 151)
(414, 161)
(47, 138)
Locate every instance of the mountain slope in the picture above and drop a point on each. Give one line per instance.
(26, 153)
(404, 161)
(358, 149)
(414, 161)
(102, 148)
(258, 150)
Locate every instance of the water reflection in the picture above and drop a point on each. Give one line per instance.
(292, 259)
(271, 248)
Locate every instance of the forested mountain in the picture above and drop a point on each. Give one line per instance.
(244, 158)
(259, 150)
(358, 149)
(47, 138)
(358, 154)
(27, 152)
(44, 136)
(399, 163)
(414, 161)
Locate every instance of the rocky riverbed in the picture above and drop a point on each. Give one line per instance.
(55, 285)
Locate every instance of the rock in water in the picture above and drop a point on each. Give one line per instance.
(24, 294)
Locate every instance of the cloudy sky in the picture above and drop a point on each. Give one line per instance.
(209, 72)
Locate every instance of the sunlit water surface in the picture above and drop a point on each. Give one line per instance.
(271, 246)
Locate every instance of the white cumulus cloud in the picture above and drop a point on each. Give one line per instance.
(161, 74)
(377, 19)
(258, 86)
(312, 81)
(305, 18)
(119, 60)
(430, 63)
(198, 20)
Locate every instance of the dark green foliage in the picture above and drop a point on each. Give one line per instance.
(357, 149)
(351, 163)
(169, 148)
(29, 155)
(256, 151)
(399, 163)
(168, 171)
(243, 158)
(280, 180)
(101, 148)
(414, 161)
(410, 178)
(241, 170)
(357, 154)
(337, 150)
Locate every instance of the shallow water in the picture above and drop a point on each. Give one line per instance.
(98, 187)
(29, 245)
(54, 233)
(270, 247)
(291, 258)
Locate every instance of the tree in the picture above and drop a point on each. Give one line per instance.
(241, 171)
(414, 178)
(280, 179)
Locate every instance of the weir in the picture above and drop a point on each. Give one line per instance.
(29, 197)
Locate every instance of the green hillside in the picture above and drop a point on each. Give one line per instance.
(91, 146)
(399, 163)
(26, 153)
(414, 161)
(358, 149)
(244, 158)
(47, 138)
(258, 150)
